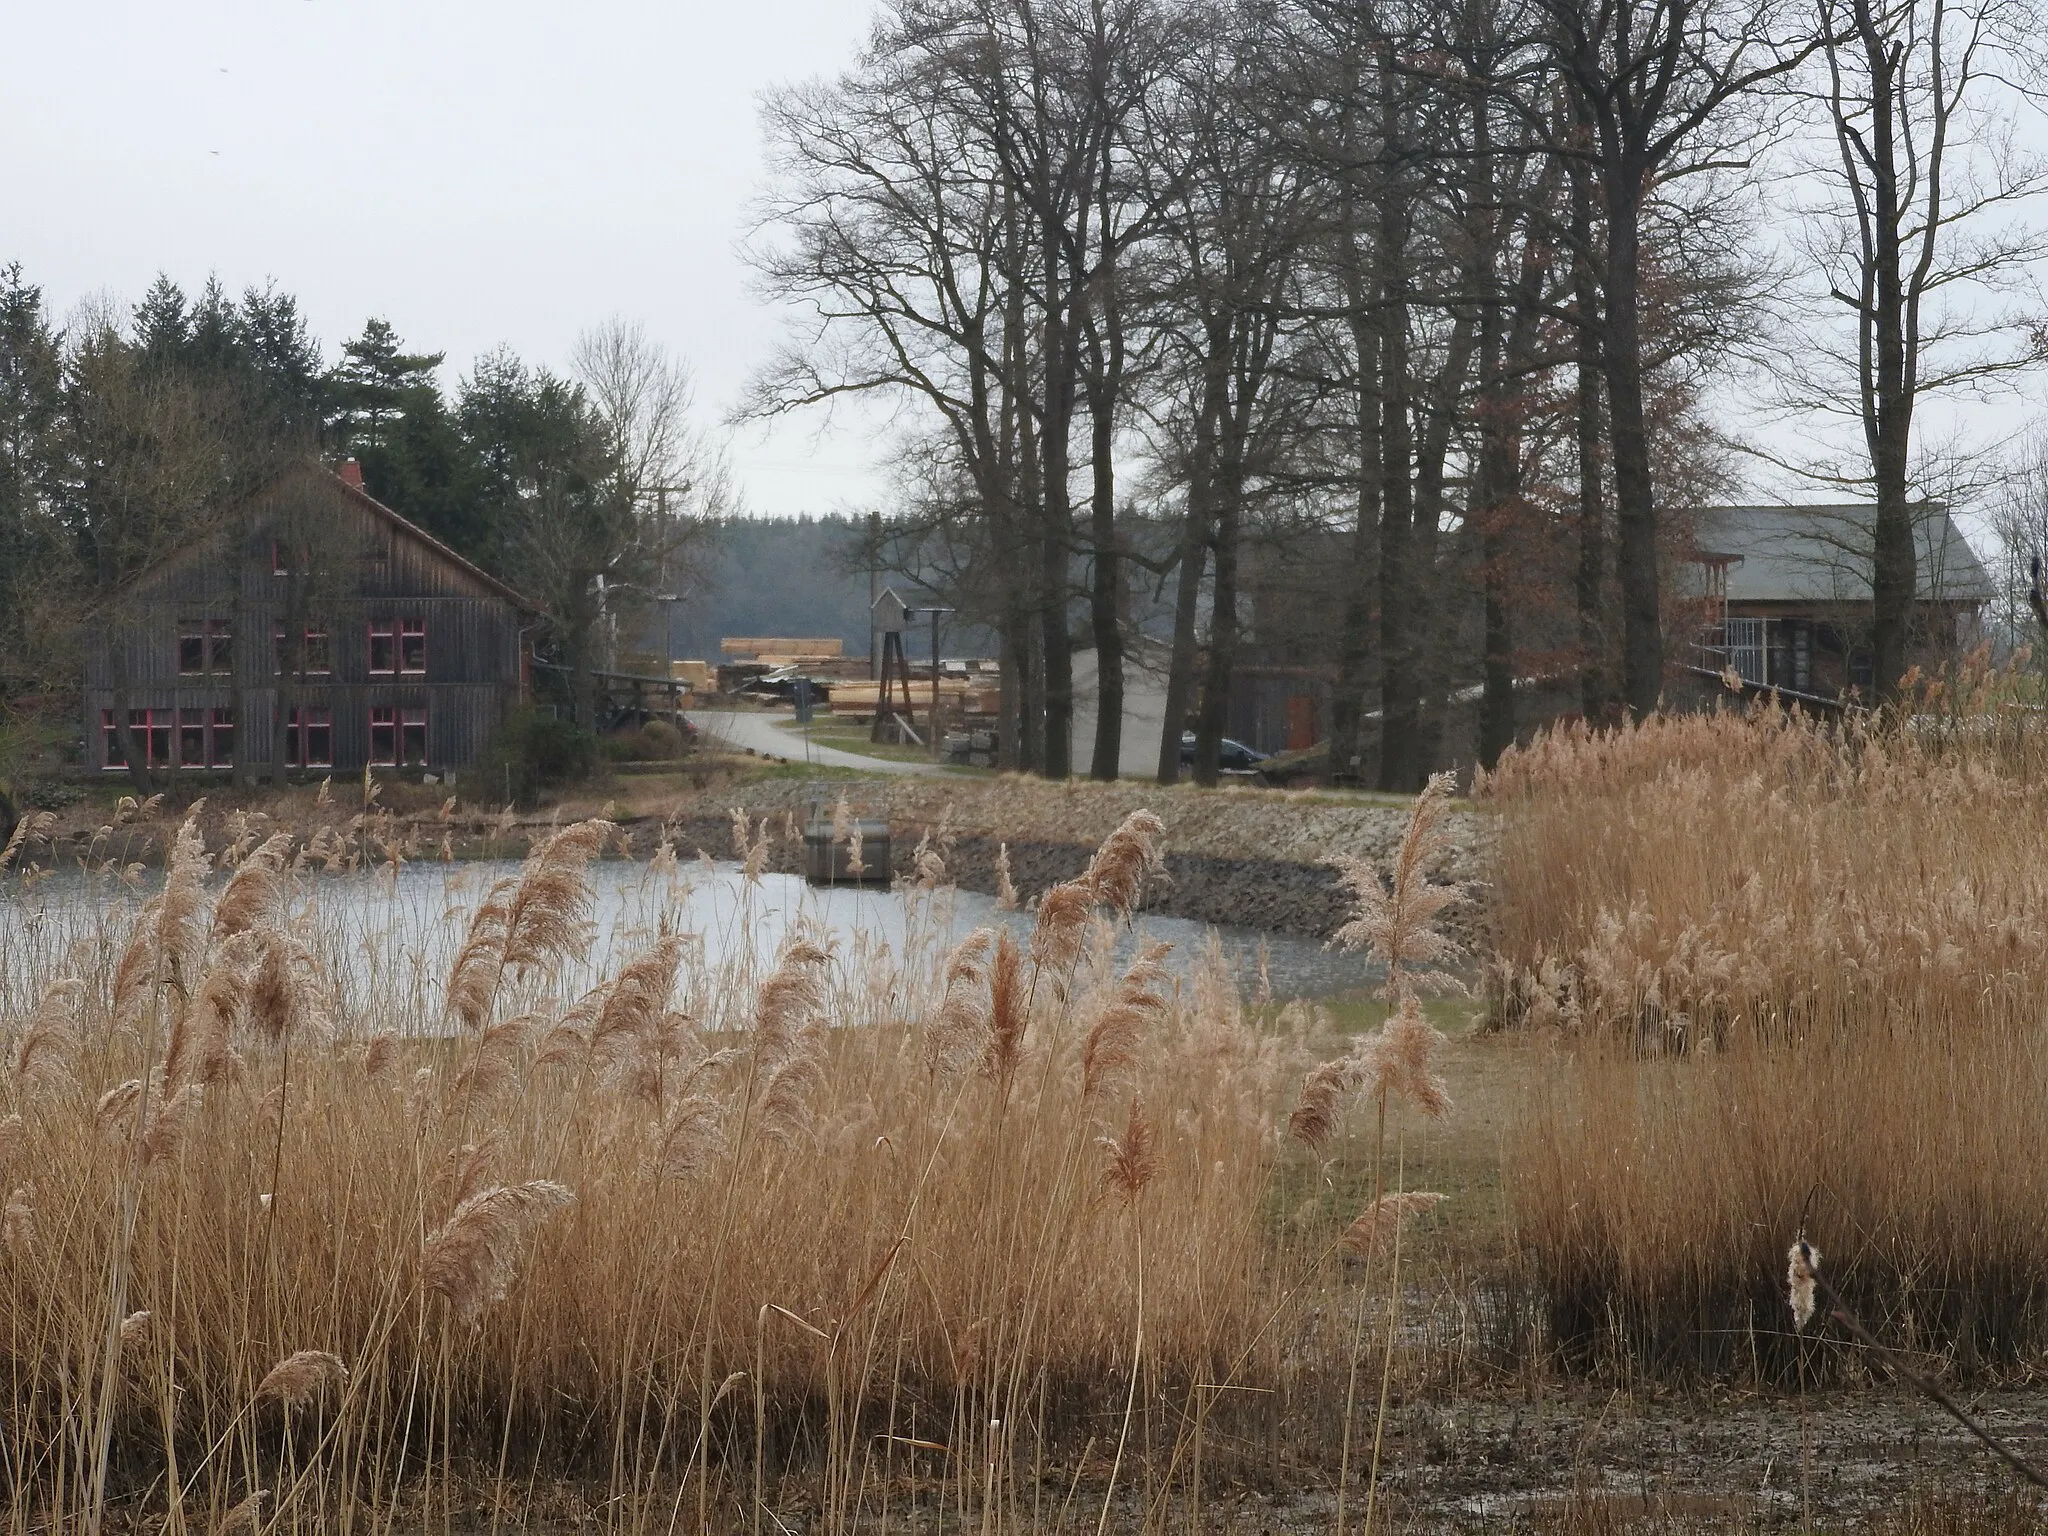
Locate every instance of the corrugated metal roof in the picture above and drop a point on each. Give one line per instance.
(1821, 554)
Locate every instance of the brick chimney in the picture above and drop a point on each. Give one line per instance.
(352, 473)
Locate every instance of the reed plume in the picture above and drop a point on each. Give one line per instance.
(1405, 1061)
(1007, 899)
(1375, 1226)
(465, 1168)
(245, 1516)
(1111, 1046)
(493, 1067)
(1116, 875)
(545, 916)
(472, 1260)
(1319, 1111)
(201, 1034)
(1062, 926)
(178, 939)
(789, 999)
(302, 1376)
(636, 1002)
(37, 825)
(255, 895)
(46, 1051)
(473, 979)
(1395, 922)
(1133, 1157)
(13, 1132)
(793, 1083)
(18, 1219)
(927, 864)
(285, 998)
(170, 1120)
(380, 1056)
(956, 1038)
(1008, 1002)
(742, 833)
(115, 1112)
(691, 1137)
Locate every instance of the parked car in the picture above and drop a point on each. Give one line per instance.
(1235, 756)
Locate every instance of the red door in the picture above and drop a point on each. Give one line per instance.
(1301, 721)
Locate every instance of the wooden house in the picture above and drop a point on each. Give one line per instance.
(1786, 594)
(318, 632)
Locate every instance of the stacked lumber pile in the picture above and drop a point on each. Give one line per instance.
(957, 696)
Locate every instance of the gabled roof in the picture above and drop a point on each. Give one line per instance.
(1821, 554)
(413, 530)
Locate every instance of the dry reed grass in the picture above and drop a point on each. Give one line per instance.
(1793, 981)
(681, 1232)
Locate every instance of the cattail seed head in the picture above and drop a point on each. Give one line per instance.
(1802, 1270)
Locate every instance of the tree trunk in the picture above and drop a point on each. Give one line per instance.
(1105, 590)
(1399, 769)
(1494, 469)
(1187, 598)
(1888, 386)
(1589, 584)
(1398, 698)
(1055, 644)
(1354, 646)
(1215, 715)
(1642, 636)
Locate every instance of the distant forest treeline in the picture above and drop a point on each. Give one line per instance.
(803, 576)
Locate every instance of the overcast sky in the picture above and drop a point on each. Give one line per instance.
(476, 173)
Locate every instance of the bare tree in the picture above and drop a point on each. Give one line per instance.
(1920, 246)
(1666, 89)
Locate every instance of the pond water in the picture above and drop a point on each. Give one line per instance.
(388, 941)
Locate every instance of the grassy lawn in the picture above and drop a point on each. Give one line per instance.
(1458, 1156)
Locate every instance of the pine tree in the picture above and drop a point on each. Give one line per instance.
(31, 397)
(376, 385)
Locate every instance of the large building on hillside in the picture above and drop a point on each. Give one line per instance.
(317, 633)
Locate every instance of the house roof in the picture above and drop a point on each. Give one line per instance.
(406, 526)
(1821, 554)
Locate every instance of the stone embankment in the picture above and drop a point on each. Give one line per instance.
(1238, 856)
(1245, 857)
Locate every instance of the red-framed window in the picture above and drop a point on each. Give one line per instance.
(383, 648)
(383, 736)
(309, 737)
(153, 733)
(316, 657)
(205, 647)
(206, 738)
(412, 645)
(412, 737)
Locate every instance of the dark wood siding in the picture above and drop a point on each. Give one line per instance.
(356, 566)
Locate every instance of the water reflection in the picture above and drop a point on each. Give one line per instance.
(388, 942)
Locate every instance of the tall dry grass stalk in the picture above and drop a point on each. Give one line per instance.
(1791, 978)
(272, 1257)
